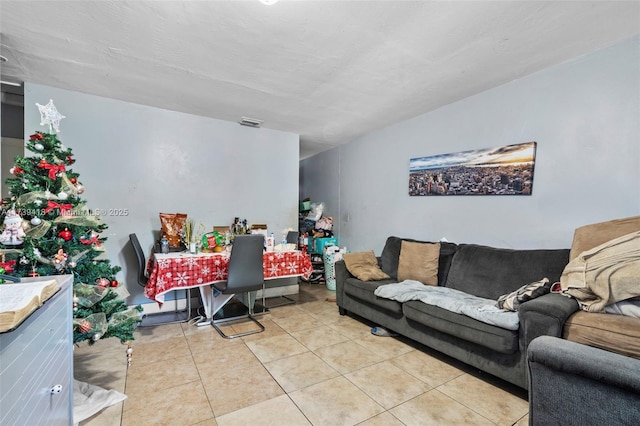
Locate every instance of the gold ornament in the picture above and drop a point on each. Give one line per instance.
(129, 354)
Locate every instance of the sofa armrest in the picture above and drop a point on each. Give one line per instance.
(544, 316)
(342, 274)
(571, 383)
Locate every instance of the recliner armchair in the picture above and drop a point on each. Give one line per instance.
(575, 384)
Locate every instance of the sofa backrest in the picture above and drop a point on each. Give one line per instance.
(391, 255)
(491, 272)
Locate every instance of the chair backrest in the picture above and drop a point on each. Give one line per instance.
(142, 263)
(246, 272)
(292, 237)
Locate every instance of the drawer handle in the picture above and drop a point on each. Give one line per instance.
(56, 389)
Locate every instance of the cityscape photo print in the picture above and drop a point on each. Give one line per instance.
(506, 170)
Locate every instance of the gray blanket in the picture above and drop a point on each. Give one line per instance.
(452, 300)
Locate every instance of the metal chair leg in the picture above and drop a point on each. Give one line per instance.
(162, 318)
(214, 322)
(233, 336)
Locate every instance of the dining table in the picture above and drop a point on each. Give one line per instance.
(183, 270)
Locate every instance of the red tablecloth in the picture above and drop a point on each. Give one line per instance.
(174, 271)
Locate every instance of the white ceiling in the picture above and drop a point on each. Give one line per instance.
(328, 70)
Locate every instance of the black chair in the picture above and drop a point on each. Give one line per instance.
(292, 237)
(160, 317)
(246, 275)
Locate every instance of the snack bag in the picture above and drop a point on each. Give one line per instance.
(172, 224)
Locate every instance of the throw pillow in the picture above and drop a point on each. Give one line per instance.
(513, 300)
(364, 266)
(419, 261)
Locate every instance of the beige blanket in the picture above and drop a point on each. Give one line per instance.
(605, 274)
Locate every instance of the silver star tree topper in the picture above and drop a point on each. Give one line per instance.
(50, 115)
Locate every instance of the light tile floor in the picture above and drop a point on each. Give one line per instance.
(310, 367)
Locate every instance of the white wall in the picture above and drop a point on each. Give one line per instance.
(9, 149)
(149, 160)
(585, 116)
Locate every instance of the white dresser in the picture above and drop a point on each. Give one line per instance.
(36, 364)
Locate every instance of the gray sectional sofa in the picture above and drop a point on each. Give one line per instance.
(482, 271)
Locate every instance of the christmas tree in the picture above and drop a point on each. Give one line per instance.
(48, 231)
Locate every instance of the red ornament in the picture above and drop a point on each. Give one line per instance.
(65, 235)
(17, 170)
(102, 282)
(70, 160)
(84, 326)
(8, 266)
(114, 283)
(37, 136)
(74, 180)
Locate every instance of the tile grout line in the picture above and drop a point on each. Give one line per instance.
(200, 378)
(213, 413)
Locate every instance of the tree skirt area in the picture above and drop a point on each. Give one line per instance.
(89, 399)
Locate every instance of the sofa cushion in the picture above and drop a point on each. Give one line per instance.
(419, 261)
(491, 272)
(364, 266)
(364, 291)
(390, 257)
(462, 326)
(513, 300)
(451, 299)
(615, 333)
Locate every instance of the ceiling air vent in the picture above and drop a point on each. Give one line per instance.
(251, 122)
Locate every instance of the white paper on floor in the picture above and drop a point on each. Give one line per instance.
(89, 399)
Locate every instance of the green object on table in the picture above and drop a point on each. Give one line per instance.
(213, 239)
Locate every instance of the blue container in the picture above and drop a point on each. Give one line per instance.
(316, 245)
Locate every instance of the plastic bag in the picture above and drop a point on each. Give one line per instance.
(172, 224)
(316, 212)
